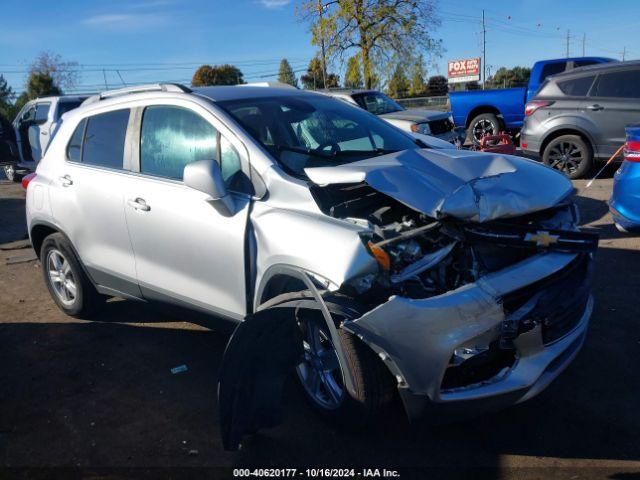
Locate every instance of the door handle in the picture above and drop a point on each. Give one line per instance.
(44, 133)
(139, 204)
(66, 181)
(595, 107)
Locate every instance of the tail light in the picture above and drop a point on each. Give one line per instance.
(27, 179)
(534, 105)
(632, 147)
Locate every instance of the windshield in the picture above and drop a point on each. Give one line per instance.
(315, 130)
(377, 103)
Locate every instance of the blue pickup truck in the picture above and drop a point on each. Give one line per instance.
(486, 112)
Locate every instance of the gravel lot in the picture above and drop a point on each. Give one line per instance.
(99, 395)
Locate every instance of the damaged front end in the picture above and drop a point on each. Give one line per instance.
(463, 311)
(480, 298)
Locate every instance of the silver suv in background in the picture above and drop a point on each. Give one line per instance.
(353, 255)
(417, 120)
(34, 127)
(580, 116)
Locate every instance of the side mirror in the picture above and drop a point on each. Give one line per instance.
(205, 176)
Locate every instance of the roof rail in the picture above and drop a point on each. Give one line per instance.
(152, 87)
(268, 84)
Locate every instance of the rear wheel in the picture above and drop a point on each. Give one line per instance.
(482, 125)
(569, 154)
(10, 172)
(68, 285)
(321, 376)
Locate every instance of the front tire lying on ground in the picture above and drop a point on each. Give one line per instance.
(569, 154)
(321, 376)
(67, 282)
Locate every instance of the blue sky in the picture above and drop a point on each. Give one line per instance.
(164, 40)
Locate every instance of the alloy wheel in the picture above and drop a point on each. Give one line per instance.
(481, 128)
(566, 157)
(10, 172)
(319, 371)
(61, 277)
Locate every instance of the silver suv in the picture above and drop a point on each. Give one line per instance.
(579, 116)
(369, 264)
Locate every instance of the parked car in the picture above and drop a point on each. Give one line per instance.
(34, 127)
(581, 116)
(487, 112)
(624, 203)
(357, 258)
(427, 122)
(8, 148)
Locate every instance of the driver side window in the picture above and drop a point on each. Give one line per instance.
(172, 137)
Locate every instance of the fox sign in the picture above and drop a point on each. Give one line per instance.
(466, 70)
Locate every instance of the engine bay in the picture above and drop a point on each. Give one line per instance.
(420, 257)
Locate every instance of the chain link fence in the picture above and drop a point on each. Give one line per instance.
(432, 103)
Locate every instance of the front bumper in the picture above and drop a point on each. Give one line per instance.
(417, 340)
(457, 135)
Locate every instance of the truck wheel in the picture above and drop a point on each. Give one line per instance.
(10, 172)
(67, 282)
(481, 125)
(320, 375)
(569, 154)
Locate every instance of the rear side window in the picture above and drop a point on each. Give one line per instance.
(74, 148)
(576, 87)
(625, 84)
(173, 137)
(552, 69)
(104, 137)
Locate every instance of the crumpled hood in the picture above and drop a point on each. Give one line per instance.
(416, 115)
(463, 184)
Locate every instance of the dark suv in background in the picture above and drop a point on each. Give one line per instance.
(580, 116)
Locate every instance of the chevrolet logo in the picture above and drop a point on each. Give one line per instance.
(541, 238)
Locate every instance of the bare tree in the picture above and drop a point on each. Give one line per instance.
(378, 29)
(65, 74)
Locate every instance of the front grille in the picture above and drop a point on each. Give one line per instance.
(558, 303)
(438, 127)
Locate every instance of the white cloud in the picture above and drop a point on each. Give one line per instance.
(273, 4)
(125, 20)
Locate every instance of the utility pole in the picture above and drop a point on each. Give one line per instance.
(322, 46)
(584, 42)
(568, 39)
(624, 53)
(484, 52)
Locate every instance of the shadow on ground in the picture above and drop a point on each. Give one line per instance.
(13, 224)
(101, 393)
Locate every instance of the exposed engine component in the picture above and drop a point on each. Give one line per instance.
(420, 257)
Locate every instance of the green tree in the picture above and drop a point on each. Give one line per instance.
(285, 73)
(65, 74)
(353, 75)
(418, 85)
(437, 86)
(6, 98)
(41, 85)
(398, 86)
(207, 75)
(313, 79)
(509, 77)
(377, 29)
